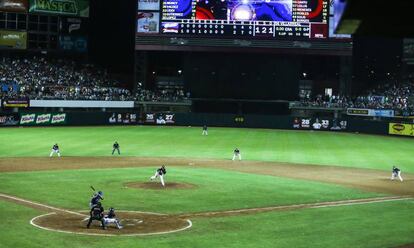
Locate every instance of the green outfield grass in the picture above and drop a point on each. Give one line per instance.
(325, 148)
(385, 224)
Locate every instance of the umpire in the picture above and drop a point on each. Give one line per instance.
(96, 213)
(115, 147)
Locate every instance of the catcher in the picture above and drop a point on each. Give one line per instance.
(96, 213)
(110, 218)
(160, 173)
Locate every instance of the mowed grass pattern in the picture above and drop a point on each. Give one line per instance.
(307, 147)
(364, 226)
(215, 189)
(387, 224)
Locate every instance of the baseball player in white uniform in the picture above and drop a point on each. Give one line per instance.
(205, 132)
(55, 149)
(160, 173)
(110, 219)
(396, 172)
(236, 154)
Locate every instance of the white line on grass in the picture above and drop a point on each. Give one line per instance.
(190, 224)
(32, 222)
(40, 204)
(308, 205)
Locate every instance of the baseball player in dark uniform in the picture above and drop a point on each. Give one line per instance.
(55, 149)
(205, 130)
(160, 173)
(236, 154)
(110, 218)
(96, 198)
(96, 213)
(115, 147)
(396, 172)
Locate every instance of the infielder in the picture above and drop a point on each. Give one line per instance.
(236, 154)
(396, 172)
(110, 219)
(96, 213)
(96, 198)
(115, 147)
(204, 130)
(55, 149)
(160, 173)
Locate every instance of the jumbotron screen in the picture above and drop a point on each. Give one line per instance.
(239, 18)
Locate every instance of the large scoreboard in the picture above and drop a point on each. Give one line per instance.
(268, 19)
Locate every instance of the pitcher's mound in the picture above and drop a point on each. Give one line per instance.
(157, 185)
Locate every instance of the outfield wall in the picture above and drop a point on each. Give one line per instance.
(346, 124)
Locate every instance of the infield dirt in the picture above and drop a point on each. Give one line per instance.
(366, 179)
(73, 222)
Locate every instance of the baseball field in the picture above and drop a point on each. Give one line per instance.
(291, 189)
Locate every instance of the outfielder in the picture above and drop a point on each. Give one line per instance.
(110, 219)
(236, 154)
(160, 173)
(115, 147)
(55, 149)
(96, 213)
(204, 130)
(396, 172)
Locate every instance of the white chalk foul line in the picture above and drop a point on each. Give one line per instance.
(306, 205)
(285, 207)
(40, 204)
(32, 221)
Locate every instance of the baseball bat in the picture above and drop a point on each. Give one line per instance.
(93, 188)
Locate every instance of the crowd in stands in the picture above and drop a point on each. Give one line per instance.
(385, 96)
(171, 95)
(62, 79)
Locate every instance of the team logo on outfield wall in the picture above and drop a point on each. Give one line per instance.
(398, 127)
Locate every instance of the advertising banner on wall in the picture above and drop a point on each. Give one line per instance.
(32, 119)
(73, 43)
(149, 4)
(148, 22)
(371, 112)
(320, 124)
(20, 6)
(401, 129)
(159, 118)
(16, 103)
(9, 119)
(60, 7)
(13, 39)
(123, 118)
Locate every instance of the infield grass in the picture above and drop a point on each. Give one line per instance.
(372, 225)
(307, 147)
(215, 189)
(386, 224)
